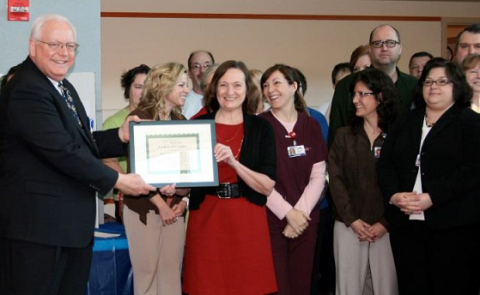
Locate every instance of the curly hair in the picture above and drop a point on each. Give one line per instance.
(386, 94)
(249, 105)
(160, 82)
(292, 76)
(129, 76)
(462, 92)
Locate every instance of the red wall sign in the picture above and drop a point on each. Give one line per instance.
(18, 10)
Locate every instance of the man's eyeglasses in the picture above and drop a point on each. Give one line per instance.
(439, 82)
(199, 66)
(388, 43)
(71, 47)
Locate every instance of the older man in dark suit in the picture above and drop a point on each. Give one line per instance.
(50, 170)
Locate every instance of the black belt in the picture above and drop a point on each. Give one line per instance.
(226, 191)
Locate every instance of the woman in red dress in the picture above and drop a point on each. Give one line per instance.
(228, 248)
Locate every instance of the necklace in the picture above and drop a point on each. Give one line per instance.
(239, 149)
(428, 123)
(231, 138)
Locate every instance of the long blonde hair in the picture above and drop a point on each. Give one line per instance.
(161, 81)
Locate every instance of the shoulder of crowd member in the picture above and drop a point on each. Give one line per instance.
(344, 84)
(470, 119)
(409, 78)
(112, 121)
(208, 116)
(140, 113)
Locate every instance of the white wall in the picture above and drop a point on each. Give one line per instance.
(313, 46)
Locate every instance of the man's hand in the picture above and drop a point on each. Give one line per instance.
(133, 185)
(123, 131)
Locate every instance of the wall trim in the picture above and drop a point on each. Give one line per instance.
(269, 16)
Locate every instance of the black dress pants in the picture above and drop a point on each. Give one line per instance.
(436, 262)
(30, 268)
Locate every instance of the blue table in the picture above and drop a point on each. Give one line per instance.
(111, 272)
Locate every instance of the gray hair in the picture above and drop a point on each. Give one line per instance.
(42, 20)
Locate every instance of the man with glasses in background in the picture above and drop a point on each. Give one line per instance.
(385, 50)
(50, 170)
(198, 62)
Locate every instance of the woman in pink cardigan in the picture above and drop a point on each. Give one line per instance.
(301, 153)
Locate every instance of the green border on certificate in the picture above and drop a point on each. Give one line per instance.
(180, 152)
(162, 145)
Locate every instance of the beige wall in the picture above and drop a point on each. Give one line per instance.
(312, 46)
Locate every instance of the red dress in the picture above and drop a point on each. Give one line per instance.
(228, 250)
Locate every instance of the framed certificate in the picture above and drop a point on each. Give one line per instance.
(180, 152)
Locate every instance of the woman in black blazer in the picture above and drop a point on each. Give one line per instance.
(429, 174)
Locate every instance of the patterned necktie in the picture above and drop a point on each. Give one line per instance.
(69, 100)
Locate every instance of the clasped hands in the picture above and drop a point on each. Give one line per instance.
(170, 215)
(367, 232)
(411, 202)
(297, 223)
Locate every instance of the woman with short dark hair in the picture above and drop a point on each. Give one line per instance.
(429, 176)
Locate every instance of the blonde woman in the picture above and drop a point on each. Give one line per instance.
(471, 66)
(154, 223)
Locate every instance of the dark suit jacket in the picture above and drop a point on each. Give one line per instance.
(49, 165)
(450, 166)
(258, 153)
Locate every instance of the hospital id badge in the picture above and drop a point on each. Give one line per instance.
(296, 151)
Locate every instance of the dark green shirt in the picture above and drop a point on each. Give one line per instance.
(343, 109)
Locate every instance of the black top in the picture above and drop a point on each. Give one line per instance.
(450, 166)
(258, 154)
(49, 165)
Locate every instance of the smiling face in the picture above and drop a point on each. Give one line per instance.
(176, 98)
(362, 63)
(364, 101)
(385, 56)
(278, 91)
(53, 63)
(473, 78)
(437, 97)
(231, 90)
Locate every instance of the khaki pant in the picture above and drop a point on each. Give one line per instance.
(156, 253)
(363, 267)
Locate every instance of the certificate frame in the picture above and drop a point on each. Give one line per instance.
(179, 151)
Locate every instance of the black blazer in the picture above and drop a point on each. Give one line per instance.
(49, 165)
(450, 166)
(258, 153)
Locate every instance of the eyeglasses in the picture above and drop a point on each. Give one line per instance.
(71, 47)
(199, 66)
(388, 43)
(439, 82)
(363, 94)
